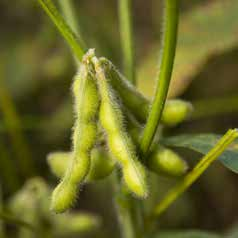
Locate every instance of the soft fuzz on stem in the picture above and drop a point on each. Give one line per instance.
(168, 52)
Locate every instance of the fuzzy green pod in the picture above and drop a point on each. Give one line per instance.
(64, 196)
(165, 161)
(133, 174)
(130, 96)
(119, 143)
(175, 111)
(101, 164)
(58, 162)
(84, 136)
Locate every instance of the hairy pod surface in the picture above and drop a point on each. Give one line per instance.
(58, 162)
(161, 160)
(100, 167)
(84, 134)
(175, 111)
(165, 161)
(120, 144)
(134, 176)
(130, 96)
(63, 197)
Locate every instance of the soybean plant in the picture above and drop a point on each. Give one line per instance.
(115, 124)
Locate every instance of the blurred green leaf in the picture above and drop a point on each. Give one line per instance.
(203, 143)
(187, 234)
(206, 30)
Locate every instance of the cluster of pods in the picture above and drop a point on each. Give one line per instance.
(109, 112)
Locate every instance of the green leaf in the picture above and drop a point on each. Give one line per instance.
(203, 143)
(187, 234)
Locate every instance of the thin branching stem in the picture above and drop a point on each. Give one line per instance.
(165, 71)
(75, 42)
(69, 13)
(123, 208)
(191, 177)
(127, 41)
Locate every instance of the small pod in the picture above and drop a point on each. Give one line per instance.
(58, 162)
(119, 143)
(64, 196)
(175, 111)
(84, 135)
(101, 164)
(165, 161)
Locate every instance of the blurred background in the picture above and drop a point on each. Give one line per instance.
(36, 117)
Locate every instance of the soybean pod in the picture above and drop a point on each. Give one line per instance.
(119, 142)
(84, 137)
(161, 160)
(164, 161)
(100, 167)
(175, 110)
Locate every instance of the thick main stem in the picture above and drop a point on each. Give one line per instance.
(126, 33)
(166, 65)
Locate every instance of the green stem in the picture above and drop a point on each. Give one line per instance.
(123, 209)
(68, 11)
(126, 33)
(191, 177)
(125, 219)
(168, 53)
(74, 41)
(70, 16)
